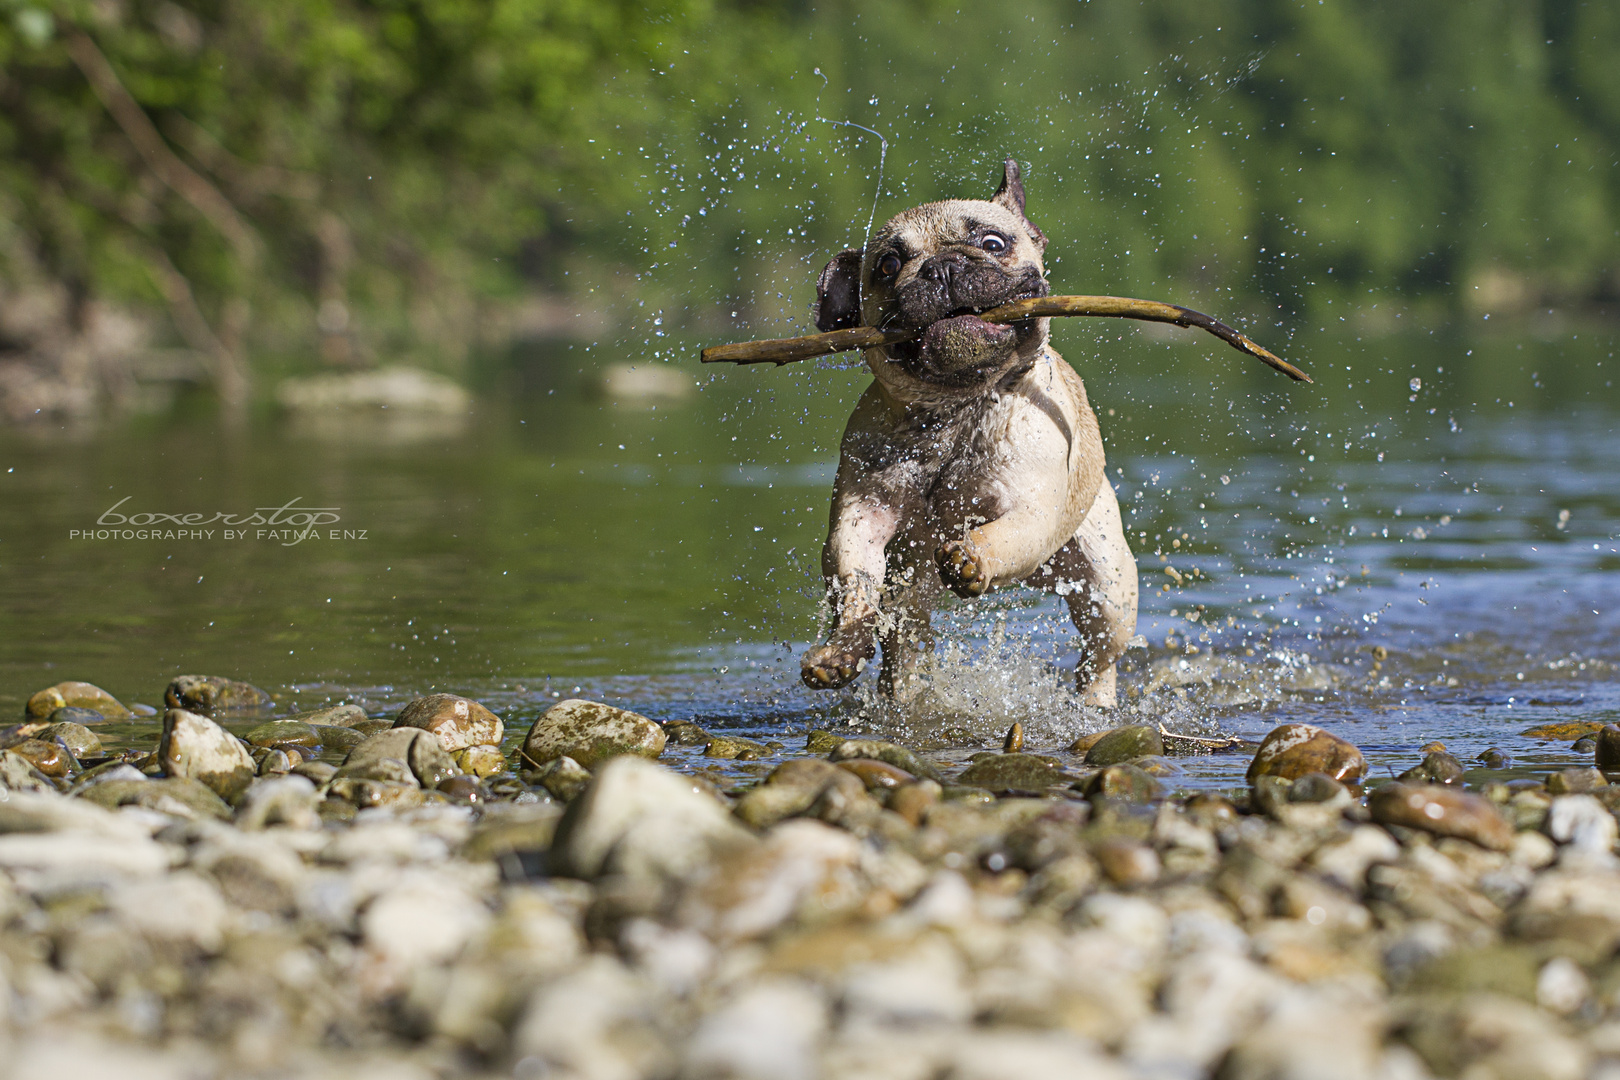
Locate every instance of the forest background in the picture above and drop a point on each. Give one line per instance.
(233, 191)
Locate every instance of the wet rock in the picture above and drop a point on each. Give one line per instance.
(1586, 744)
(77, 695)
(1003, 773)
(72, 714)
(339, 740)
(1562, 731)
(179, 796)
(732, 748)
(1575, 781)
(49, 758)
(893, 753)
(876, 774)
(80, 740)
(344, 716)
(211, 694)
(112, 770)
(480, 761)
(1494, 758)
(590, 733)
(1124, 744)
(1608, 748)
(564, 778)
(372, 725)
(912, 801)
(419, 751)
(17, 773)
(318, 772)
(639, 819)
(792, 788)
(1013, 742)
(1294, 750)
(1123, 783)
(686, 733)
(821, 741)
(284, 800)
(1442, 811)
(195, 747)
(282, 733)
(1437, 767)
(1211, 810)
(363, 793)
(278, 762)
(458, 722)
(466, 790)
(1583, 823)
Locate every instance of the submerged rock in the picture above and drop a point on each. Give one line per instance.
(457, 721)
(282, 733)
(1123, 744)
(732, 748)
(212, 694)
(194, 746)
(1002, 773)
(590, 733)
(333, 716)
(1295, 750)
(1442, 811)
(75, 695)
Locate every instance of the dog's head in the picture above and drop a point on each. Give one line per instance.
(934, 268)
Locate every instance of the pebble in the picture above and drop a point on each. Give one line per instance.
(564, 778)
(211, 694)
(1124, 783)
(49, 758)
(1124, 744)
(1442, 811)
(590, 733)
(333, 716)
(76, 695)
(685, 733)
(1437, 767)
(480, 761)
(1294, 750)
(877, 775)
(407, 755)
(1562, 731)
(1003, 773)
(732, 748)
(282, 733)
(75, 736)
(458, 722)
(1607, 751)
(899, 756)
(1574, 781)
(195, 747)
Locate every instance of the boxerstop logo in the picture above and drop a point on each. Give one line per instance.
(288, 525)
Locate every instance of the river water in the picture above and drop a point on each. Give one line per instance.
(1420, 546)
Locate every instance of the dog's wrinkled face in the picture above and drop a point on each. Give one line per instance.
(934, 268)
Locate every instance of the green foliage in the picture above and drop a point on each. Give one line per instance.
(413, 161)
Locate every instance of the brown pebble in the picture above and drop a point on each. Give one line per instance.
(877, 774)
(1608, 748)
(1084, 743)
(1432, 748)
(1295, 750)
(1126, 862)
(1014, 742)
(913, 801)
(1575, 781)
(1442, 811)
(48, 758)
(464, 789)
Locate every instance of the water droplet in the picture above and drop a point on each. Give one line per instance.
(1416, 385)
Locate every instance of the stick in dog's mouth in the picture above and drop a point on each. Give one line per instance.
(787, 350)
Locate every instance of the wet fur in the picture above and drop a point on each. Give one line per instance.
(973, 461)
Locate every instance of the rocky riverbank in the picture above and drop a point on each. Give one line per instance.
(336, 894)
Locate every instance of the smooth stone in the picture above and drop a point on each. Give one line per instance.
(899, 756)
(1013, 742)
(564, 778)
(1124, 783)
(1575, 781)
(144, 712)
(1608, 748)
(282, 800)
(1124, 744)
(1442, 811)
(1082, 746)
(1563, 730)
(49, 758)
(877, 774)
(319, 772)
(339, 739)
(75, 736)
(480, 761)
(913, 801)
(112, 770)
(1211, 811)
(372, 725)
(822, 741)
(1002, 773)
(591, 733)
(17, 773)
(791, 789)
(344, 716)
(1494, 758)
(194, 746)
(73, 714)
(757, 887)
(731, 748)
(364, 793)
(177, 796)
(1319, 788)
(1294, 750)
(384, 770)
(212, 694)
(278, 762)
(458, 722)
(1582, 822)
(419, 751)
(640, 820)
(686, 733)
(1437, 767)
(282, 733)
(1126, 862)
(1586, 744)
(79, 695)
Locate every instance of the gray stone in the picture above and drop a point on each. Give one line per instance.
(590, 733)
(418, 750)
(564, 778)
(1124, 744)
(1002, 773)
(195, 747)
(281, 800)
(212, 694)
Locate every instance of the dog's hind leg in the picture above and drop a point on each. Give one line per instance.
(908, 635)
(1096, 572)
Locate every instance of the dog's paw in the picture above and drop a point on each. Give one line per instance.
(962, 569)
(828, 667)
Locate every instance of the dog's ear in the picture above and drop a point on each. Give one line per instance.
(1011, 195)
(838, 292)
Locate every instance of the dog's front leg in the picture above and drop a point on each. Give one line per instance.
(1005, 550)
(853, 564)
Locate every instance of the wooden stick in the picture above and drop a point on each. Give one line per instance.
(781, 351)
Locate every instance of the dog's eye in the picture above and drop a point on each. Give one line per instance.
(994, 243)
(888, 266)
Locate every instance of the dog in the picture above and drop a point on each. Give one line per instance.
(973, 461)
